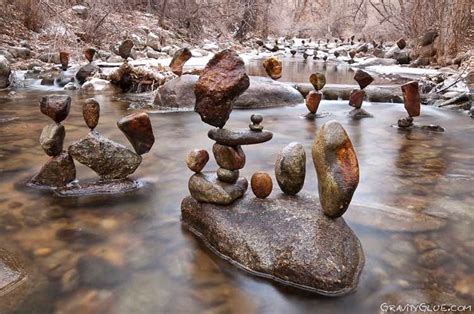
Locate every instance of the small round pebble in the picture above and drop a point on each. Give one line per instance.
(262, 184)
(197, 159)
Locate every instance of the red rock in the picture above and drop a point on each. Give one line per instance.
(221, 82)
(312, 100)
(229, 157)
(411, 98)
(363, 78)
(262, 184)
(401, 43)
(64, 59)
(273, 67)
(356, 98)
(352, 53)
(137, 128)
(197, 159)
(56, 107)
(179, 59)
(91, 112)
(125, 48)
(89, 53)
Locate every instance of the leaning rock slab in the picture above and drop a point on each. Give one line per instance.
(57, 172)
(205, 187)
(290, 168)
(287, 239)
(109, 159)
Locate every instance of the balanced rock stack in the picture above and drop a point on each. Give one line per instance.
(60, 169)
(314, 97)
(412, 102)
(357, 95)
(89, 69)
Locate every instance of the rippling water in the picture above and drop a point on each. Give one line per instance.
(159, 267)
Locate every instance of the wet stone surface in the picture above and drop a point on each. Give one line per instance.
(239, 137)
(205, 187)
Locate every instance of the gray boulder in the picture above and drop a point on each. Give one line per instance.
(5, 72)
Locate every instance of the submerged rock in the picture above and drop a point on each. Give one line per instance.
(138, 130)
(337, 168)
(220, 83)
(100, 187)
(52, 139)
(58, 171)
(290, 168)
(205, 187)
(179, 59)
(359, 113)
(273, 67)
(109, 159)
(56, 107)
(287, 239)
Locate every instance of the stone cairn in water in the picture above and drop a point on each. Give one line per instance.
(220, 83)
(412, 103)
(112, 161)
(314, 97)
(64, 59)
(357, 96)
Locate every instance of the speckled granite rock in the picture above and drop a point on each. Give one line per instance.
(287, 239)
(57, 172)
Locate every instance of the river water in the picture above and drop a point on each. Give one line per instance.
(156, 266)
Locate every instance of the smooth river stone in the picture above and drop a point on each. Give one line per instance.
(89, 53)
(239, 137)
(313, 99)
(64, 59)
(52, 139)
(91, 112)
(262, 184)
(357, 98)
(125, 48)
(56, 107)
(58, 171)
(287, 239)
(179, 59)
(138, 130)
(318, 80)
(411, 98)
(290, 168)
(205, 187)
(197, 159)
(228, 176)
(363, 78)
(273, 67)
(337, 168)
(229, 157)
(110, 160)
(220, 83)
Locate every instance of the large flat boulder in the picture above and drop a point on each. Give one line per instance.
(287, 239)
(263, 92)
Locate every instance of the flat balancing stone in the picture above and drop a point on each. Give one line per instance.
(239, 137)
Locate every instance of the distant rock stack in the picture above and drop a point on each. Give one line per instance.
(64, 59)
(412, 103)
(314, 97)
(357, 95)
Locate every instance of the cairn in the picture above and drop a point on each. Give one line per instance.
(357, 95)
(314, 97)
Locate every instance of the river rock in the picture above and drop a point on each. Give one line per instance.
(109, 159)
(287, 239)
(363, 78)
(57, 172)
(220, 83)
(55, 106)
(138, 130)
(273, 67)
(318, 80)
(52, 139)
(64, 58)
(229, 157)
(262, 93)
(86, 72)
(89, 53)
(312, 100)
(205, 187)
(125, 48)
(401, 43)
(226, 175)
(95, 271)
(5, 72)
(179, 59)
(356, 98)
(197, 159)
(261, 184)
(359, 113)
(239, 137)
(91, 112)
(290, 168)
(337, 168)
(411, 98)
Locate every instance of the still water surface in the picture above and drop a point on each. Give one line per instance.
(162, 268)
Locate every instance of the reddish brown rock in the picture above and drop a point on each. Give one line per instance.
(197, 159)
(312, 100)
(58, 171)
(262, 184)
(179, 59)
(89, 53)
(125, 48)
(411, 98)
(137, 128)
(318, 80)
(273, 67)
(229, 157)
(221, 82)
(91, 112)
(363, 78)
(56, 106)
(352, 53)
(401, 43)
(356, 98)
(64, 59)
